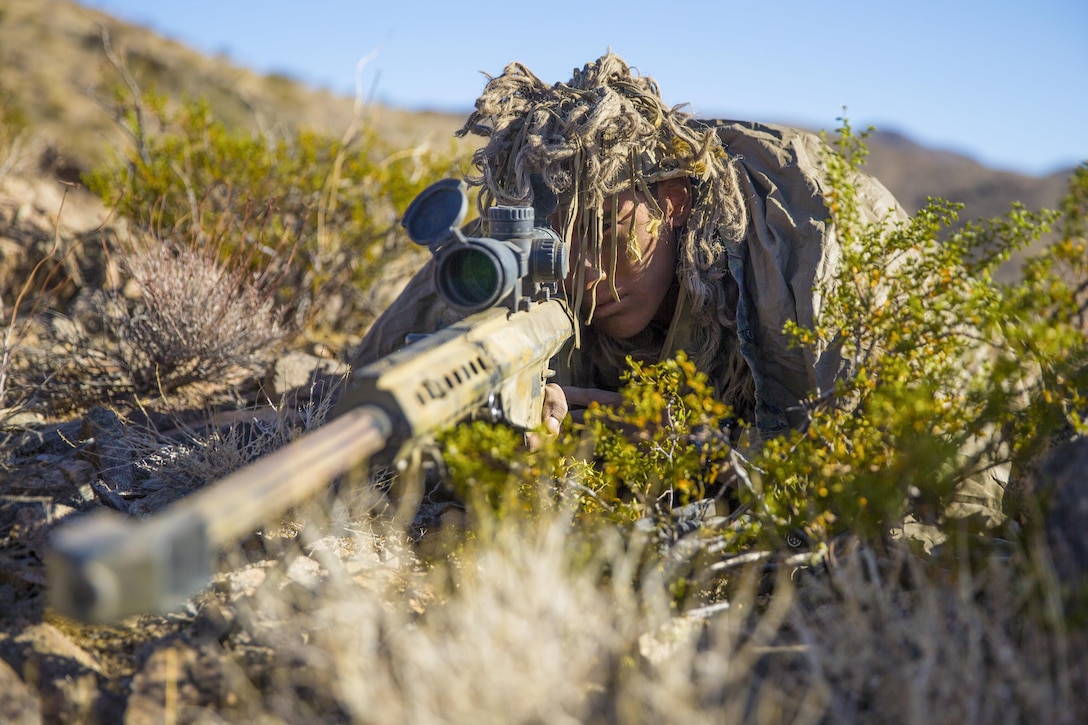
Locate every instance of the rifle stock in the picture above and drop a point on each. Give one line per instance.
(103, 567)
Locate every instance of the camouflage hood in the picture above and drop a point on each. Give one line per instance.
(606, 131)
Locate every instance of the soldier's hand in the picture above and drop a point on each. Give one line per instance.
(559, 402)
(552, 415)
(578, 399)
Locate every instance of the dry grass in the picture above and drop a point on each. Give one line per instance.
(525, 627)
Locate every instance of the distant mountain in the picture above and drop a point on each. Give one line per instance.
(54, 62)
(914, 172)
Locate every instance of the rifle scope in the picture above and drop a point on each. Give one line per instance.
(519, 263)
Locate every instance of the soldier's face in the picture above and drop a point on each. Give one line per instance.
(625, 293)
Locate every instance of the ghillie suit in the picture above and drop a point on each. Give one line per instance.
(755, 245)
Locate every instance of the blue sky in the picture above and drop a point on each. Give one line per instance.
(1003, 82)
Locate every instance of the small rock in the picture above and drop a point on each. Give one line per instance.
(65, 675)
(51, 440)
(245, 582)
(111, 454)
(177, 683)
(76, 471)
(18, 703)
(305, 572)
(53, 654)
(14, 419)
(75, 698)
(214, 622)
(298, 372)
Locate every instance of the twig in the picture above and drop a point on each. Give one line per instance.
(733, 562)
(119, 65)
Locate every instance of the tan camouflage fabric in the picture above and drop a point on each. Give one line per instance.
(789, 248)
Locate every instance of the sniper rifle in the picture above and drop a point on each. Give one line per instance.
(102, 567)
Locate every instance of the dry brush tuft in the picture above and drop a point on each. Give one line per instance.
(198, 320)
(194, 319)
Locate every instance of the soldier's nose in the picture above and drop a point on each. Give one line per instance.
(593, 275)
(590, 278)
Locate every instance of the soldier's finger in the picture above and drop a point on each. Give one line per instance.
(555, 407)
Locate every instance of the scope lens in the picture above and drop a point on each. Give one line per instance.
(471, 278)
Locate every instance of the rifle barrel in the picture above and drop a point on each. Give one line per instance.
(104, 567)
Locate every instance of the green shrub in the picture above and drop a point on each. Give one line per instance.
(660, 449)
(956, 374)
(313, 214)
